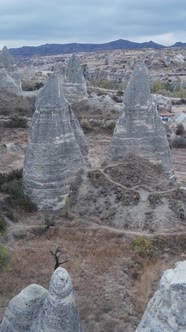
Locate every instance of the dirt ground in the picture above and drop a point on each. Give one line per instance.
(112, 281)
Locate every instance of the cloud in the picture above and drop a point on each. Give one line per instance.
(59, 21)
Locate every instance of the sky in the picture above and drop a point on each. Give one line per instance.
(37, 22)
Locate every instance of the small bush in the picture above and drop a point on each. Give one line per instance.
(66, 209)
(13, 188)
(110, 125)
(180, 94)
(2, 225)
(85, 125)
(156, 86)
(12, 185)
(143, 245)
(10, 214)
(180, 130)
(117, 98)
(4, 257)
(16, 122)
(108, 84)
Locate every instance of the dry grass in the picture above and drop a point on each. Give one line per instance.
(148, 281)
(92, 254)
(100, 261)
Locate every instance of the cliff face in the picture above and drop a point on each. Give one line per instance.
(35, 309)
(56, 148)
(140, 130)
(166, 310)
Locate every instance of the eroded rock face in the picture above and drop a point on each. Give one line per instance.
(140, 130)
(35, 309)
(58, 312)
(23, 309)
(166, 312)
(74, 83)
(56, 148)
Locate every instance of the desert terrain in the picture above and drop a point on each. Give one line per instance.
(115, 271)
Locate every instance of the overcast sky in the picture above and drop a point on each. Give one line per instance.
(36, 22)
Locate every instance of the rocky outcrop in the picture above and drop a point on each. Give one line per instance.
(35, 309)
(180, 119)
(7, 83)
(9, 77)
(23, 309)
(6, 60)
(56, 148)
(99, 111)
(74, 83)
(133, 194)
(164, 104)
(140, 130)
(166, 310)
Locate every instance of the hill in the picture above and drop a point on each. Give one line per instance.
(54, 49)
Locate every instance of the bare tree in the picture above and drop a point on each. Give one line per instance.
(56, 254)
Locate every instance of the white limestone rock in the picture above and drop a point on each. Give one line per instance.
(8, 83)
(23, 309)
(35, 309)
(59, 312)
(7, 63)
(6, 60)
(140, 130)
(166, 311)
(56, 149)
(74, 83)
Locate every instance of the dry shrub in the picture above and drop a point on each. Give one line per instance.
(4, 257)
(16, 122)
(13, 105)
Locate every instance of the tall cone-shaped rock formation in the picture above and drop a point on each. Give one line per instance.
(140, 130)
(10, 79)
(35, 309)
(6, 59)
(56, 149)
(8, 83)
(75, 88)
(166, 310)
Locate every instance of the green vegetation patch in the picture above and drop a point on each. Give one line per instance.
(4, 257)
(143, 245)
(11, 184)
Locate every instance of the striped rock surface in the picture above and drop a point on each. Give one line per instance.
(35, 309)
(56, 148)
(74, 83)
(140, 130)
(59, 312)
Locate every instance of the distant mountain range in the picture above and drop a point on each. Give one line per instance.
(54, 49)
